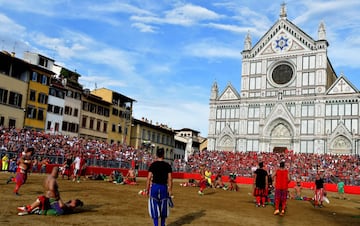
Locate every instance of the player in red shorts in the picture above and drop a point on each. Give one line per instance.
(232, 180)
(24, 166)
(260, 185)
(130, 177)
(282, 179)
(202, 181)
(219, 182)
(42, 206)
(319, 191)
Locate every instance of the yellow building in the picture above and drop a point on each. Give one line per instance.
(203, 144)
(37, 97)
(37, 93)
(94, 118)
(145, 135)
(14, 78)
(120, 115)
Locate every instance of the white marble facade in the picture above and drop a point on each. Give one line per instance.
(290, 98)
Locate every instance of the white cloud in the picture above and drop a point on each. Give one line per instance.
(147, 19)
(232, 28)
(176, 115)
(118, 59)
(184, 15)
(256, 21)
(190, 14)
(104, 11)
(211, 49)
(41, 7)
(345, 55)
(325, 8)
(144, 27)
(12, 36)
(64, 48)
(104, 82)
(117, 7)
(81, 47)
(158, 69)
(9, 27)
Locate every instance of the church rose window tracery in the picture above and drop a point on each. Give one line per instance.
(282, 74)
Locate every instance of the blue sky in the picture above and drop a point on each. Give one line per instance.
(166, 54)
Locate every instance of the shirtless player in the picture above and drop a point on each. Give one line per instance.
(51, 198)
(24, 166)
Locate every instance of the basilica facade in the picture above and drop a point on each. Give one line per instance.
(290, 98)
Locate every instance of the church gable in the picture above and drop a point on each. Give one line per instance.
(283, 37)
(229, 94)
(279, 112)
(227, 131)
(296, 46)
(340, 130)
(340, 139)
(342, 86)
(275, 46)
(227, 141)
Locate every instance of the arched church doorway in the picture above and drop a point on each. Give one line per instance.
(227, 143)
(279, 149)
(341, 145)
(281, 138)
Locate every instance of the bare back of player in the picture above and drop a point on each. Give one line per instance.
(51, 187)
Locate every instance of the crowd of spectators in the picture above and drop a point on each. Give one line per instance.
(332, 167)
(56, 148)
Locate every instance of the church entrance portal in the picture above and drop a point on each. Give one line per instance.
(279, 149)
(281, 138)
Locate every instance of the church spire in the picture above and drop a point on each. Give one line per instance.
(214, 91)
(321, 31)
(283, 11)
(247, 43)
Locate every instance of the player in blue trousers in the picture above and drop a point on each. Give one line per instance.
(159, 188)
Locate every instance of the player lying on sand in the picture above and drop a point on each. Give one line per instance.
(43, 206)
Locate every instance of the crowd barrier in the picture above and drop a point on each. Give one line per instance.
(90, 170)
